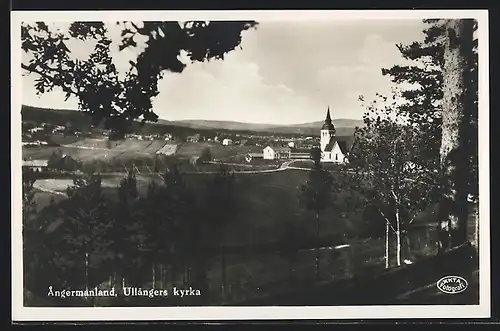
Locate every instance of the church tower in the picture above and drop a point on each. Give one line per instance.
(327, 130)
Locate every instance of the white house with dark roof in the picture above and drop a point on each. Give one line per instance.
(275, 153)
(333, 149)
(35, 165)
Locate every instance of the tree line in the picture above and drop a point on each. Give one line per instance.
(128, 239)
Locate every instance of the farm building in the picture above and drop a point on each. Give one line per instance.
(167, 136)
(227, 142)
(300, 153)
(250, 156)
(275, 153)
(193, 139)
(35, 165)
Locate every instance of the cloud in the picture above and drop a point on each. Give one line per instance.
(285, 73)
(228, 90)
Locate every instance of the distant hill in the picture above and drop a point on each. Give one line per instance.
(344, 127)
(229, 125)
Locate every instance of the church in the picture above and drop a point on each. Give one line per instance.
(333, 149)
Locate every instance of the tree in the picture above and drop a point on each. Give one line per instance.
(206, 155)
(31, 233)
(424, 101)
(458, 101)
(220, 207)
(124, 217)
(85, 239)
(95, 81)
(54, 161)
(388, 172)
(316, 195)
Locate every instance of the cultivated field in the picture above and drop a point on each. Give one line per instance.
(92, 143)
(101, 149)
(167, 149)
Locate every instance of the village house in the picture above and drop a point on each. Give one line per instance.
(276, 153)
(333, 149)
(37, 129)
(193, 139)
(227, 142)
(35, 165)
(59, 129)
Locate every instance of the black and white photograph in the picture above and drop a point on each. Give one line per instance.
(250, 165)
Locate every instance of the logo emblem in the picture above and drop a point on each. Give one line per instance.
(452, 284)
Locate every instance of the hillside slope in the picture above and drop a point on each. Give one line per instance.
(77, 119)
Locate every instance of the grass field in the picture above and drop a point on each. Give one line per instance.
(42, 198)
(265, 202)
(64, 140)
(217, 150)
(92, 143)
(39, 152)
(89, 149)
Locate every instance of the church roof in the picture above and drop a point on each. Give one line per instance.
(328, 125)
(345, 143)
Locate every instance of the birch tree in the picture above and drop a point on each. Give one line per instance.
(388, 171)
(439, 62)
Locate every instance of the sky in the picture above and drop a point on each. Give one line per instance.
(285, 73)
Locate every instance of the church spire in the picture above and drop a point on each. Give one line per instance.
(328, 118)
(328, 125)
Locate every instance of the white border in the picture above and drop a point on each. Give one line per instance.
(20, 313)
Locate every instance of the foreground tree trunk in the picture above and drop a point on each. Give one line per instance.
(454, 154)
(386, 245)
(398, 239)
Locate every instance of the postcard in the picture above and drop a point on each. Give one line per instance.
(250, 165)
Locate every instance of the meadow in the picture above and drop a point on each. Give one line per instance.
(217, 150)
(266, 204)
